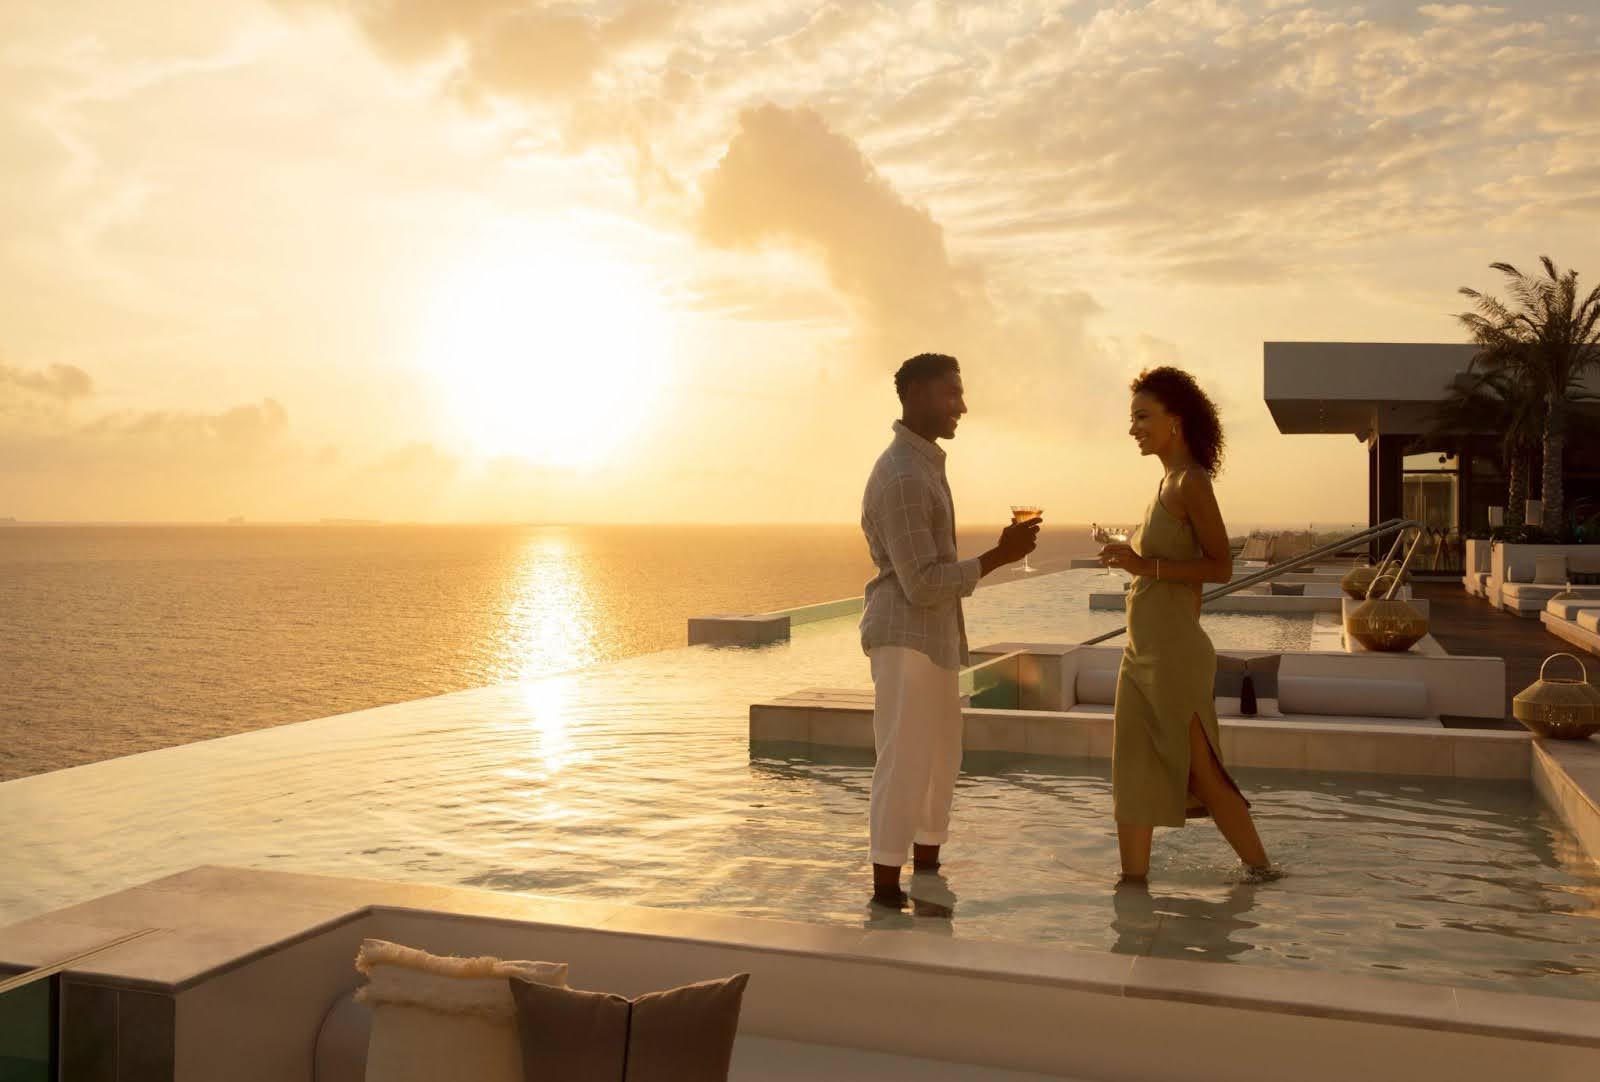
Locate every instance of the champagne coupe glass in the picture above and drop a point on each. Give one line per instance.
(1105, 535)
(1121, 535)
(1025, 512)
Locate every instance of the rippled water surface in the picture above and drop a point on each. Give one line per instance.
(115, 640)
(634, 781)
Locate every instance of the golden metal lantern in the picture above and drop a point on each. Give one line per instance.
(1386, 624)
(1563, 708)
(1356, 580)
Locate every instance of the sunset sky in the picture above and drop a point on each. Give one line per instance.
(506, 260)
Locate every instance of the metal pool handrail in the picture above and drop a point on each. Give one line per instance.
(1370, 533)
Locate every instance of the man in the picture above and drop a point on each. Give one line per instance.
(912, 627)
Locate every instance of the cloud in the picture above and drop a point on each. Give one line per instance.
(787, 178)
(140, 464)
(62, 382)
(239, 433)
(1249, 138)
(506, 49)
(1458, 13)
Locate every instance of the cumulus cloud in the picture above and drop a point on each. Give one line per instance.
(62, 382)
(786, 177)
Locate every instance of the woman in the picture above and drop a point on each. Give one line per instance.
(1165, 764)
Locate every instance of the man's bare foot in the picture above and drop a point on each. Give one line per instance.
(886, 887)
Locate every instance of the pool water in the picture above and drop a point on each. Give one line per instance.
(635, 782)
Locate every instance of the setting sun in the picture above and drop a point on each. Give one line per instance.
(547, 351)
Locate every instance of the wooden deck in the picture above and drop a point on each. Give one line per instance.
(1469, 625)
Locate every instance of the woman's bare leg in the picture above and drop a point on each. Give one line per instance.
(1228, 809)
(1133, 842)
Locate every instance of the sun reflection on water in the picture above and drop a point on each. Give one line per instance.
(550, 616)
(550, 749)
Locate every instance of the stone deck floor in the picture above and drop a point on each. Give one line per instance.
(1467, 625)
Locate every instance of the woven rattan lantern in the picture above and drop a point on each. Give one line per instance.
(1356, 580)
(1565, 709)
(1387, 624)
(1383, 621)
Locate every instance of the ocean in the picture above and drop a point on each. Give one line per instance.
(121, 639)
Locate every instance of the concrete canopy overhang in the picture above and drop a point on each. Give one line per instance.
(1365, 389)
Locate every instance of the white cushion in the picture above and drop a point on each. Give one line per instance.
(1568, 610)
(435, 1017)
(1550, 570)
(1097, 686)
(1530, 593)
(1353, 696)
(1589, 619)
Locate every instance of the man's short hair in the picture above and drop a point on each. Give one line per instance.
(920, 369)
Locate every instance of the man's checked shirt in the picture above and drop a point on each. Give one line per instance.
(910, 522)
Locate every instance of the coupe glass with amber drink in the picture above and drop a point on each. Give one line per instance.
(1105, 535)
(1025, 512)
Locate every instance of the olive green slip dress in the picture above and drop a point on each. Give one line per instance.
(1167, 676)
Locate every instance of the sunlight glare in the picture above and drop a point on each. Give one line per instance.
(547, 349)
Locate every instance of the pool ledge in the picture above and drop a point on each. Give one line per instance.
(1567, 775)
(234, 937)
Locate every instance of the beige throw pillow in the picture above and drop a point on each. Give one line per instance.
(1550, 570)
(682, 1035)
(438, 1017)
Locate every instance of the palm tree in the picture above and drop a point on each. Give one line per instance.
(1492, 400)
(1548, 341)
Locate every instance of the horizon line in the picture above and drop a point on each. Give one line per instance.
(371, 522)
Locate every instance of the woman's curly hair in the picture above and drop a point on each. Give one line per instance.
(1182, 397)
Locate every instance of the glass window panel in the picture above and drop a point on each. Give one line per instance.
(26, 1018)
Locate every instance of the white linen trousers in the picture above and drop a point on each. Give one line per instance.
(916, 729)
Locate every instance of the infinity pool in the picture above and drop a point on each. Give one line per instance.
(635, 781)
